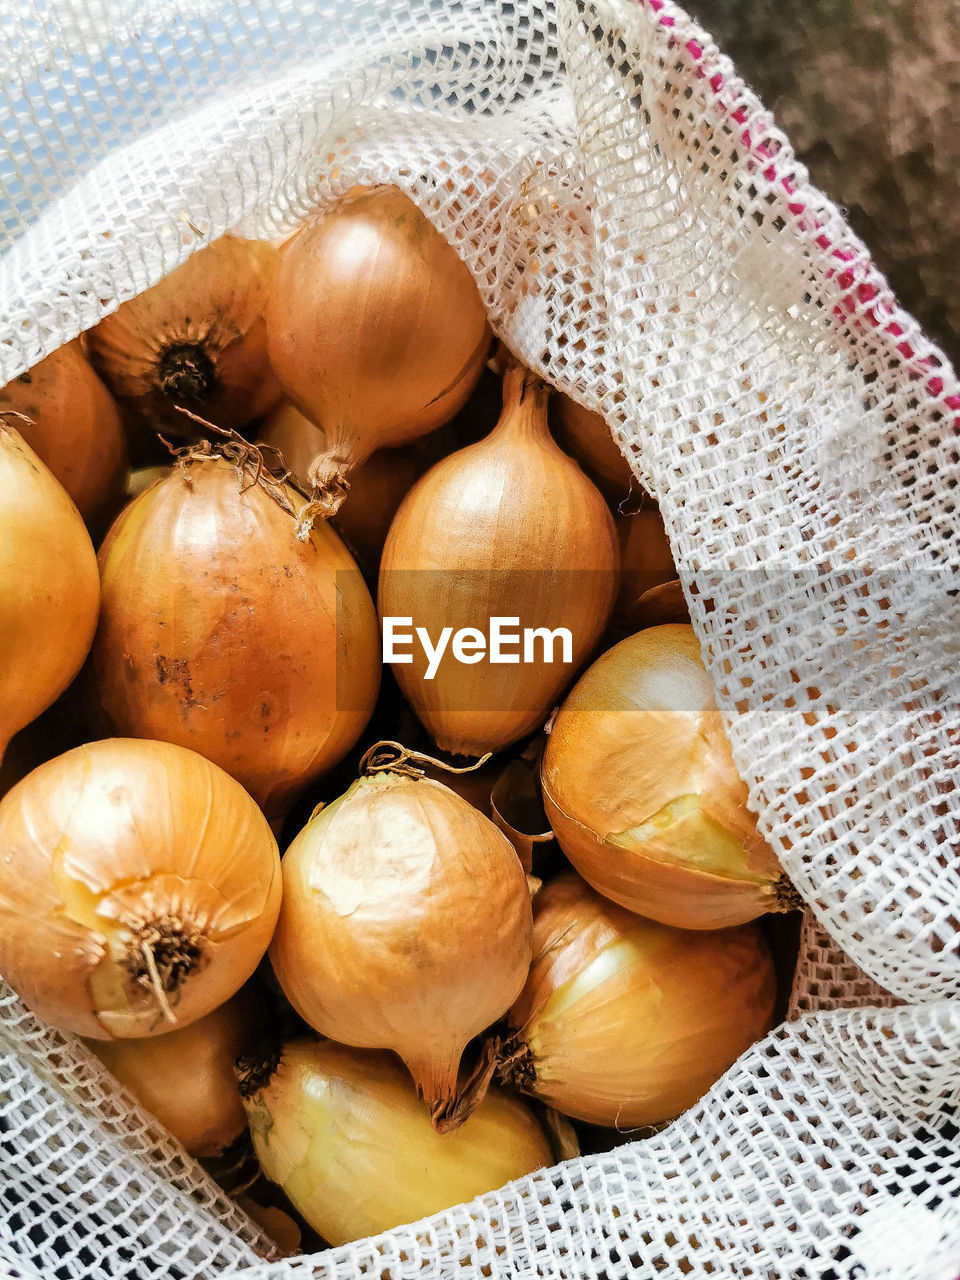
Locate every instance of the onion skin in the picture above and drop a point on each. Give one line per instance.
(51, 589)
(220, 631)
(376, 488)
(110, 845)
(197, 338)
(636, 743)
(376, 330)
(344, 1136)
(587, 438)
(405, 925)
(507, 527)
(75, 428)
(186, 1078)
(624, 1022)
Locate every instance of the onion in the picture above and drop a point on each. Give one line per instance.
(645, 557)
(343, 1135)
(196, 339)
(586, 437)
(377, 486)
(49, 587)
(221, 631)
(508, 527)
(376, 330)
(642, 793)
(186, 1078)
(405, 925)
(75, 428)
(138, 889)
(625, 1022)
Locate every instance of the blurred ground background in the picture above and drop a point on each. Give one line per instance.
(869, 93)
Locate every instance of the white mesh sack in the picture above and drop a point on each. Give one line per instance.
(643, 235)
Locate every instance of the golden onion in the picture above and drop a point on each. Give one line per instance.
(343, 1134)
(642, 793)
(377, 331)
(139, 887)
(49, 586)
(405, 925)
(625, 1022)
(586, 437)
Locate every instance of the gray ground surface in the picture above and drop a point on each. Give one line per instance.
(869, 92)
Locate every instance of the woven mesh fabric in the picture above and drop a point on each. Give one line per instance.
(642, 234)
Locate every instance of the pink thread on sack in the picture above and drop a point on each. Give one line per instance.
(853, 292)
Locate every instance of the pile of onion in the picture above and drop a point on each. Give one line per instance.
(508, 527)
(49, 587)
(186, 1078)
(345, 1137)
(197, 340)
(641, 791)
(405, 925)
(72, 423)
(586, 437)
(139, 888)
(624, 1022)
(376, 332)
(220, 630)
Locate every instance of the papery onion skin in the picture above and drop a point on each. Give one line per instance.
(343, 1134)
(122, 844)
(376, 330)
(405, 925)
(196, 339)
(625, 1022)
(507, 527)
(186, 1078)
(587, 438)
(49, 586)
(222, 632)
(377, 486)
(75, 428)
(642, 793)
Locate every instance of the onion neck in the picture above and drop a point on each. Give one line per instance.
(436, 1081)
(514, 1064)
(525, 399)
(255, 1071)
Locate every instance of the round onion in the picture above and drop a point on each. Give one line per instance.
(186, 1078)
(223, 632)
(642, 793)
(49, 586)
(75, 428)
(196, 339)
(586, 437)
(377, 486)
(509, 527)
(376, 330)
(405, 925)
(344, 1136)
(625, 1022)
(139, 888)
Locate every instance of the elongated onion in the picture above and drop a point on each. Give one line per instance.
(186, 1078)
(509, 528)
(49, 586)
(377, 331)
(625, 1022)
(139, 886)
(196, 339)
(405, 925)
(75, 428)
(586, 437)
(642, 793)
(377, 486)
(223, 632)
(344, 1136)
